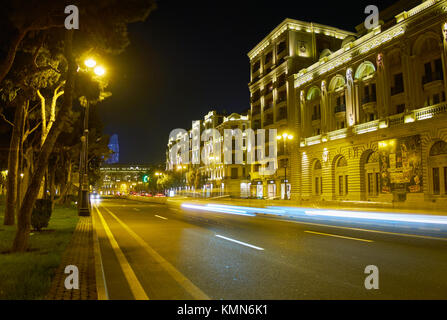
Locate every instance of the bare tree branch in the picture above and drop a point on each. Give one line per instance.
(6, 120)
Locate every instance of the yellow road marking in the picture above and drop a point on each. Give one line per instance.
(190, 287)
(337, 236)
(101, 285)
(135, 286)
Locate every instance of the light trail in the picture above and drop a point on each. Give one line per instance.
(366, 215)
(217, 209)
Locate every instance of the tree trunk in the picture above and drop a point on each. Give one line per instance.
(20, 243)
(52, 174)
(65, 189)
(13, 164)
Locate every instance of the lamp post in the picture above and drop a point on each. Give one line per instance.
(83, 198)
(285, 136)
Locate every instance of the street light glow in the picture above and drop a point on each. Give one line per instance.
(90, 63)
(99, 71)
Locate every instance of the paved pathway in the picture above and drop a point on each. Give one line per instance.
(81, 254)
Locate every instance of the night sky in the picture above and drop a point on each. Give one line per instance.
(190, 57)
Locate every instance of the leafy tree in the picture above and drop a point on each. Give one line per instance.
(104, 30)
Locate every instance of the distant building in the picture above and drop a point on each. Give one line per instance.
(121, 178)
(114, 146)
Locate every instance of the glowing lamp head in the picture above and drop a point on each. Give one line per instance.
(90, 63)
(99, 71)
(290, 137)
(279, 137)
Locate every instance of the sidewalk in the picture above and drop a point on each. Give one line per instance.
(80, 252)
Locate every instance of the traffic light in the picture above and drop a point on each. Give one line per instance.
(145, 178)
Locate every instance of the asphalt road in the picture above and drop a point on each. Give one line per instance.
(150, 251)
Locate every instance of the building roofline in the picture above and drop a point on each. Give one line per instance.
(292, 24)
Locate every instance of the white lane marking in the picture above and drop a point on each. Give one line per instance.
(373, 231)
(161, 217)
(337, 236)
(136, 209)
(240, 242)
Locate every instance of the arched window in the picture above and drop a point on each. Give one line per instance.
(341, 177)
(313, 98)
(366, 69)
(368, 93)
(338, 100)
(438, 168)
(317, 178)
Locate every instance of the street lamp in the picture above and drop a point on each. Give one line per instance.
(285, 136)
(84, 203)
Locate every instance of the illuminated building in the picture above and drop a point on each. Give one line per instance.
(120, 178)
(205, 170)
(371, 115)
(290, 47)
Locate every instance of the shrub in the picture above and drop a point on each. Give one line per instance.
(41, 214)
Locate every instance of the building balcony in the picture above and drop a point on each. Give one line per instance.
(268, 105)
(255, 98)
(256, 111)
(281, 100)
(366, 127)
(369, 99)
(371, 126)
(369, 104)
(430, 112)
(268, 122)
(282, 114)
(432, 77)
(340, 108)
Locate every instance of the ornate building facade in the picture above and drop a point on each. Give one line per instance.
(372, 116)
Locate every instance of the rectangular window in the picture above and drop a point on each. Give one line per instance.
(399, 81)
(438, 67)
(370, 183)
(427, 68)
(340, 185)
(377, 183)
(234, 173)
(346, 185)
(445, 180)
(321, 185)
(317, 185)
(436, 181)
(400, 108)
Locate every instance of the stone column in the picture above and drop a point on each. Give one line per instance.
(351, 105)
(323, 108)
(383, 88)
(412, 81)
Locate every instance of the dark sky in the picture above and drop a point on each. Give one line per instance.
(190, 57)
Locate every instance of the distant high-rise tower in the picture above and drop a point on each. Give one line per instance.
(114, 146)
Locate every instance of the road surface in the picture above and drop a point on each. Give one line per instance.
(150, 251)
